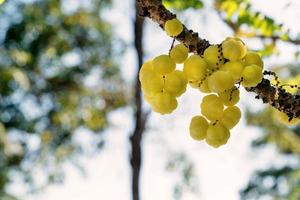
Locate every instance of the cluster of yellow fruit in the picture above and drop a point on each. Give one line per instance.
(161, 82)
(216, 71)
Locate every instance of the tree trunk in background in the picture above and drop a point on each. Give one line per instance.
(140, 115)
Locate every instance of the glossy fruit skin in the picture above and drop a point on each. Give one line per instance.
(235, 68)
(217, 135)
(233, 49)
(164, 103)
(173, 27)
(198, 127)
(220, 81)
(179, 53)
(150, 80)
(212, 107)
(175, 83)
(231, 117)
(194, 68)
(163, 64)
(146, 68)
(212, 56)
(252, 75)
(253, 58)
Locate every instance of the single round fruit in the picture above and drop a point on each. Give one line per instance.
(179, 53)
(212, 56)
(253, 58)
(231, 117)
(163, 64)
(252, 75)
(174, 83)
(244, 47)
(173, 27)
(194, 68)
(212, 107)
(230, 97)
(235, 68)
(217, 135)
(198, 128)
(164, 103)
(152, 83)
(233, 49)
(220, 81)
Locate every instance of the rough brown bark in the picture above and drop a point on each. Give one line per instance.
(273, 95)
(140, 115)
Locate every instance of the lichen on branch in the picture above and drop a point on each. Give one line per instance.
(276, 96)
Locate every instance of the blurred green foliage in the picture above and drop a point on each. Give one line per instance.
(183, 5)
(247, 22)
(187, 180)
(58, 74)
(275, 182)
(272, 183)
(241, 12)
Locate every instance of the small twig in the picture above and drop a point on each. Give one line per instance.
(172, 45)
(215, 122)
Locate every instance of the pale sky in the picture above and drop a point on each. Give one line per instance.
(221, 173)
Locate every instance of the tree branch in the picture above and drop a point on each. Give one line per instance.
(155, 10)
(275, 96)
(140, 116)
(276, 37)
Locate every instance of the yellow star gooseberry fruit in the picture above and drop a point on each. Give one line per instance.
(233, 49)
(173, 27)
